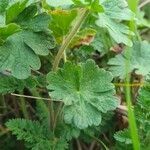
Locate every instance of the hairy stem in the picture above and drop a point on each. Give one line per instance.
(83, 14)
(144, 3)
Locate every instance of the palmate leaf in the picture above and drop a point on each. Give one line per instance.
(139, 61)
(114, 12)
(19, 52)
(37, 23)
(86, 91)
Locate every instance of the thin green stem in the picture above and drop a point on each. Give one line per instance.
(3, 103)
(82, 16)
(51, 110)
(99, 141)
(24, 108)
(57, 113)
(131, 116)
(37, 97)
(133, 4)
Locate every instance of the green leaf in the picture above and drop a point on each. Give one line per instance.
(14, 10)
(40, 42)
(101, 42)
(123, 136)
(8, 30)
(114, 12)
(143, 106)
(86, 91)
(30, 131)
(61, 21)
(68, 132)
(144, 97)
(83, 37)
(35, 135)
(37, 23)
(96, 7)
(139, 61)
(18, 54)
(2, 19)
(3, 5)
(57, 3)
(27, 14)
(9, 84)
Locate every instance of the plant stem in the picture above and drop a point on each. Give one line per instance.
(82, 16)
(99, 141)
(32, 97)
(42, 105)
(57, 114)
(133, 4)
(3, 103)
(23, 108)
(144, 3)
(83, 13)
(131, 116)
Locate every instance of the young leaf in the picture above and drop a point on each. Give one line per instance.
(18, 54)
(116, 10)
(139, 61)
(86, 91)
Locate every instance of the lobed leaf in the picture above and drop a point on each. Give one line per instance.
(114, 12)
(86, 91)
(139, 61)
(20, 52)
